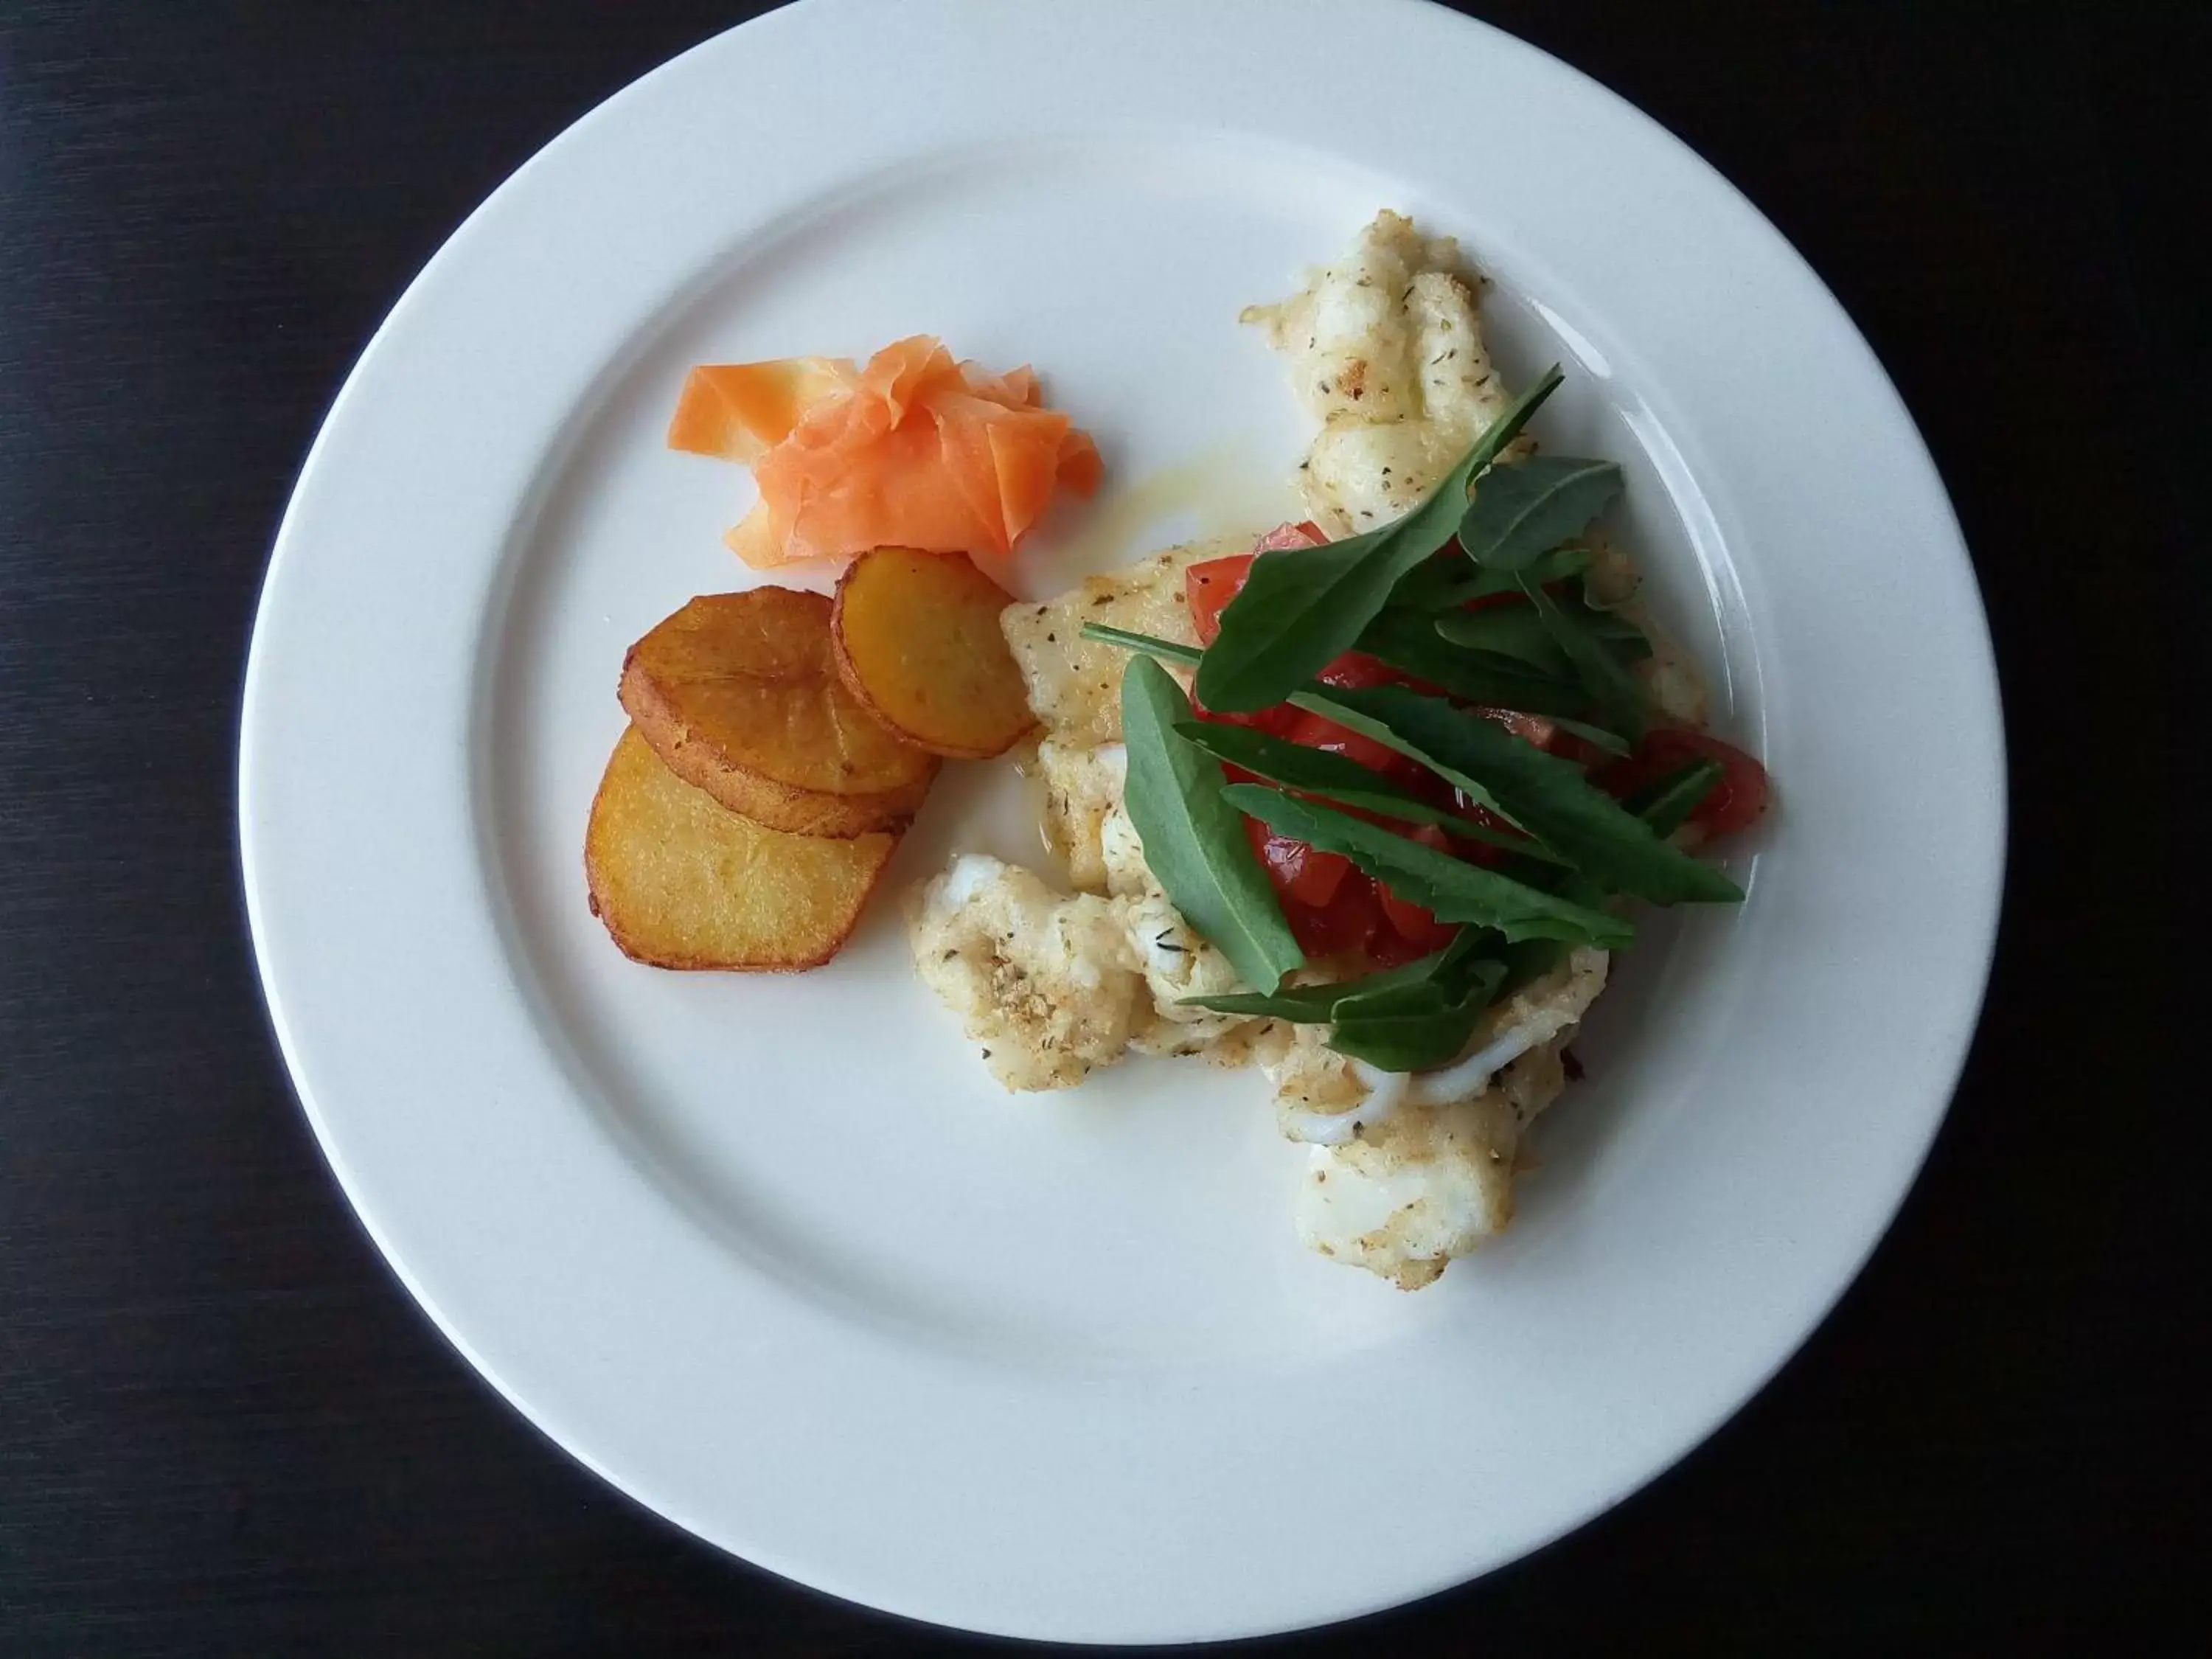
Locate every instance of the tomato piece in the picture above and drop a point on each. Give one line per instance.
(1389, 948)
(1208, 586)
(1301, 874)
(1582, 752)
(1416, 924)
(1481, 852)
(1355, 671)
(1276, 721)
(1304, 533)
(1492, 601)
(1530, 728)
(1734, 803)
(1352, 920)
(1313, 732)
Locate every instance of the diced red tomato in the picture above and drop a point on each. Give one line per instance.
(1276, 722)
(1207, 588)
(1492, 601)
(1304, 533)
(1415, 924)
(1532, 728)
(1313, 732)
(1352, 920)
(1479, 852)
(1586, 755)
(1301, 874)
(1334, 909)
(1389, 948)
(1355, 671)
(1735, 802)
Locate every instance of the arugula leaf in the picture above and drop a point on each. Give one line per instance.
(1666, 803)
(1425, 720)
(1531, 959)
(1522, 512)
(1341, 779)
(1612, 686)
(1521, 633)
(1445, 583)
(1422, 1028)
(1405, 643)
(1329, 702)
(1314, 1005)
(1439, 883)
(1448, 671)
(1408, 641)
(1193, 838)
(1452, 967)
(1547, 796)
(1402, 1018)
(1596, 736)
(1419, 1026)
(1300, 1004)
(1506, 630)
(1624, 635)
(1150, 645)
(1302, 607)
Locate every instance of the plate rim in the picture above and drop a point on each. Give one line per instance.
(290, 1041)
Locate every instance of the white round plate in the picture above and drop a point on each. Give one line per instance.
(773, 1254)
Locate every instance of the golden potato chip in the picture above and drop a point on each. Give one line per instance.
(739, 695)
(683, 882)
(918, 643)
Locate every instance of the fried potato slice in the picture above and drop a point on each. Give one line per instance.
(739, 694)
(918, 643)
(681, 882)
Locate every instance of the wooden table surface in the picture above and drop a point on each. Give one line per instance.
(224, 1429)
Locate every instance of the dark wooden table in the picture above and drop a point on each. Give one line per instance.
(224, 1429)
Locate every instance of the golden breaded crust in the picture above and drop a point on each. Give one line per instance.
(1075, 684)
